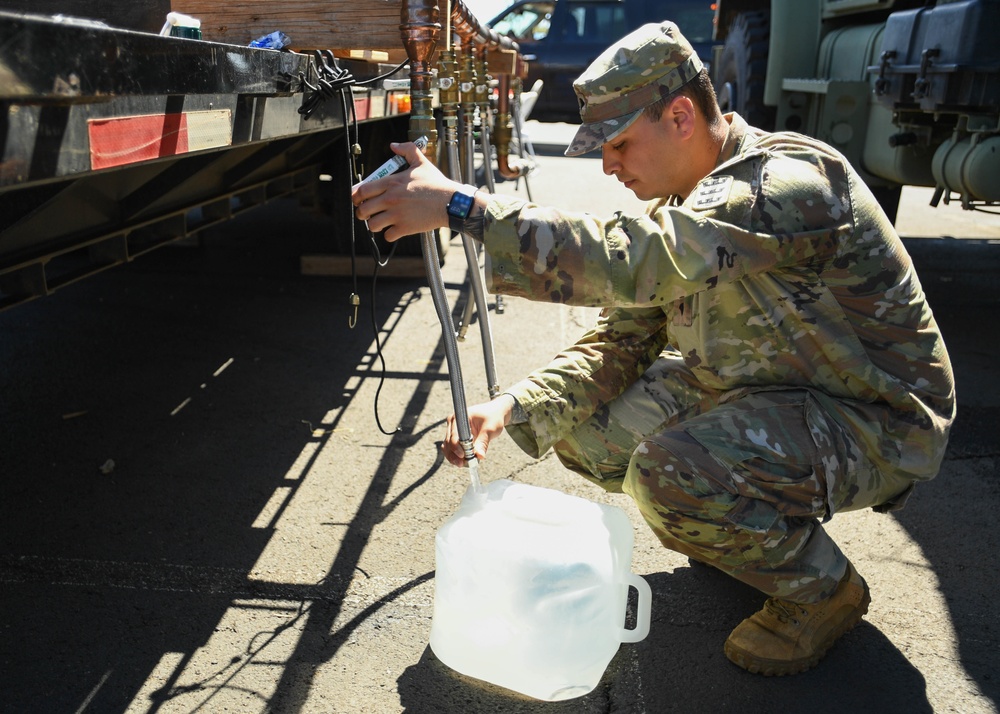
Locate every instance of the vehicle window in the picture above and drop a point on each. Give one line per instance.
(695, 23)
(596, 22)
(526, 23)
(694, 17)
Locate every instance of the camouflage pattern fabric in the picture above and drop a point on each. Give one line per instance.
(766, 357)
(742, 485)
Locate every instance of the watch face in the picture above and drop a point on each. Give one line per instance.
(460, 205)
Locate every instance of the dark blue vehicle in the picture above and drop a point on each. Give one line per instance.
(564, 36)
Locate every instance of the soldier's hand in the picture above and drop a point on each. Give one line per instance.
(486, 421)
(407, 202)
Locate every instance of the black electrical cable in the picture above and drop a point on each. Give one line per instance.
(376, 256)
(385, 75)
(378, 346)
(343, 86)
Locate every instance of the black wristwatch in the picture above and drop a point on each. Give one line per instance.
(460, 206)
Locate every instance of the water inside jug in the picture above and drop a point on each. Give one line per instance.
(531, 589)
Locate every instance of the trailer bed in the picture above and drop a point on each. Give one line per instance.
(114, 141)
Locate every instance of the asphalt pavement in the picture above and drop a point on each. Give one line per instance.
(214, 498)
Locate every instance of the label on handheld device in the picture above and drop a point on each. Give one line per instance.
(394, 164)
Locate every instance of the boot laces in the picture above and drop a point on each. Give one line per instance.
(785, 610)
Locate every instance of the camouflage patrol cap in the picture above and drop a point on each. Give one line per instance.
(642, 67)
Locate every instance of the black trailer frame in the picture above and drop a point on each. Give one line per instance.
(79, 103)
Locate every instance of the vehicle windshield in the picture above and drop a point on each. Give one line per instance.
(694, 18)
(526, 23)
(594, 21)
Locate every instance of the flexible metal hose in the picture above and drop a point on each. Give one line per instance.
(419, 29)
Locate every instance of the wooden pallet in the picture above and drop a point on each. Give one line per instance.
(400, 266)
(360, 29)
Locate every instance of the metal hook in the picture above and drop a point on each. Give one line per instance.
(353, 319)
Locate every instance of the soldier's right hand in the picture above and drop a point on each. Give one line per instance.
(410, 201)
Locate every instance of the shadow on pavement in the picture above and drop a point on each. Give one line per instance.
(431, 686)
(698, 607)
(682, 658)
(953, 517)
(200, 372)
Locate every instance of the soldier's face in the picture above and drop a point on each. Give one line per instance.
(651, 158)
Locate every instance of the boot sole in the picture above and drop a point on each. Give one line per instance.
(780, 668)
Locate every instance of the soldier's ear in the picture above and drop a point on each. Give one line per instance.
(681, 116)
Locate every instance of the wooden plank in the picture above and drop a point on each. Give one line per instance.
(363, 55)
(399, 266)
(392, 57)
(311, 24)
(353, 29)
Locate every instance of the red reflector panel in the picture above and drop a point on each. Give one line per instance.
(362, 108)
(126, 140)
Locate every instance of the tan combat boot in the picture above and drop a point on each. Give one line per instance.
(787, 637)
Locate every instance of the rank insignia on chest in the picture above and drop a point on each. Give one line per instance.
(712, 192)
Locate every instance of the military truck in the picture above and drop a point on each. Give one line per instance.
(907, 90)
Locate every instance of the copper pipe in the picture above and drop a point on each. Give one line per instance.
(472, 31)
(502, 134)
(419, 29)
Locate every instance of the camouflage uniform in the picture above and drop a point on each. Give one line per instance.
(765, 357)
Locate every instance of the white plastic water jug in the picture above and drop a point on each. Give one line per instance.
(531, 589)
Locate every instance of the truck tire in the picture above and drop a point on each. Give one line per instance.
(743, 69)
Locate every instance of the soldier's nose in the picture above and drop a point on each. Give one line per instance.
(610, 165)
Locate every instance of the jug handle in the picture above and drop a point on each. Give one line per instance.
(641, 629)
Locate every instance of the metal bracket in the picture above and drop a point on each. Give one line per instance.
(882, 84)
(922, 85)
